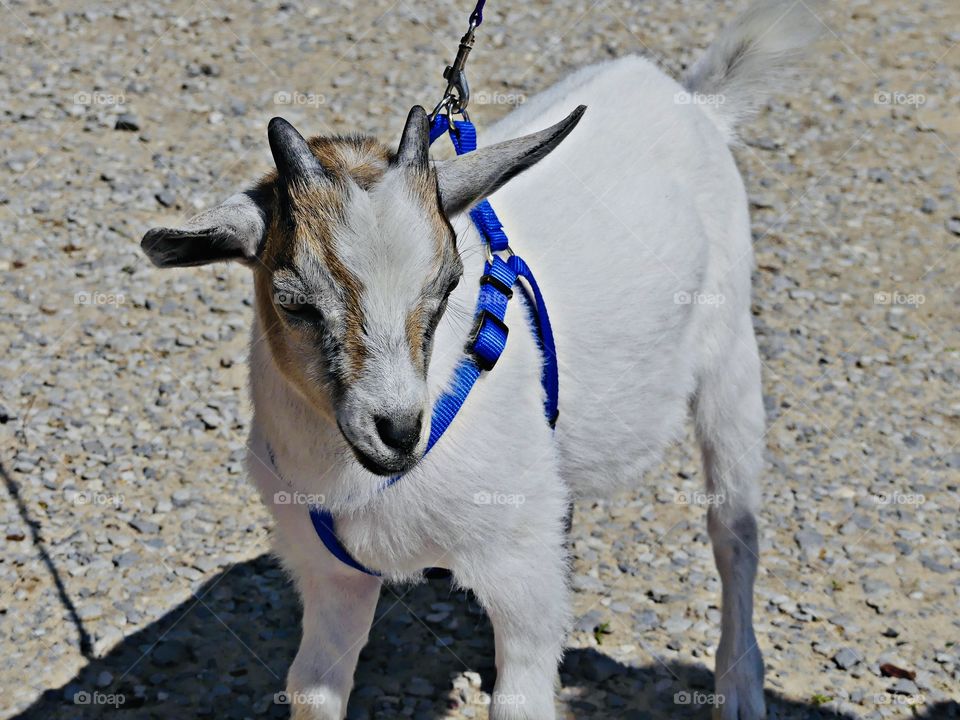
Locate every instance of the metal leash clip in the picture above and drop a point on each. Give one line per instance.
(457, 95)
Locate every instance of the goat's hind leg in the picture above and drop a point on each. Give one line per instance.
(730, 430)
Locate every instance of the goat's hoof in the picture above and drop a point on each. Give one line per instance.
(739, 688)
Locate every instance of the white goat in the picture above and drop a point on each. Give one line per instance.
(637, 228)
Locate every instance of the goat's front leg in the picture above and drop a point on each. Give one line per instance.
(524, 591)
(338, 610)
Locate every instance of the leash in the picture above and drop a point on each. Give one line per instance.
(488, 338)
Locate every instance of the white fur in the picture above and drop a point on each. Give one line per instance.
(639, 208)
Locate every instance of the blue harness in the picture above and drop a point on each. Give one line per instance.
(487, 341)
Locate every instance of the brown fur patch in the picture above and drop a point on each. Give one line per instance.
(364, 159)
(416, 328)
(316, 210)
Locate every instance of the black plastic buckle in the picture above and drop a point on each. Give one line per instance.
(484, 317)
(497, 285)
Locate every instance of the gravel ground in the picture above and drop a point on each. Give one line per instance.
(135, 575)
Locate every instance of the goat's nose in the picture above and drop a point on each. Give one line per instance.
(401, 432)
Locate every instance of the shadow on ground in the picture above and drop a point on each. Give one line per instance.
(223, 653)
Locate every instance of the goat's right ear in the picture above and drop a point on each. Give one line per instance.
(234, 230)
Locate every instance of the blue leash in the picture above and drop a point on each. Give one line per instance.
(486, 343)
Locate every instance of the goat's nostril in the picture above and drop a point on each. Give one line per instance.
(401, 432)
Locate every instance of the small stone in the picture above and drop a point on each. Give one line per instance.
(211, 418)
(933, 566)
(128, 122)
(904, 687)
(809, 541)
(586, 583)
(953, 225)
(677, 625)
(845, 658)
(169, 653)
(104, 679)
(598, 667)
(90, 612)
(589, 621)
(144, 526)
(420, 687)
(166, 198)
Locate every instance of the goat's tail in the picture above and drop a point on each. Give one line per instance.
(752, 56)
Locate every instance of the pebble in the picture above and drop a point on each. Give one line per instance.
(845, 658)
(127, 121)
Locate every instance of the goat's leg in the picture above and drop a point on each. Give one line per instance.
(730, 431)
(524, 590)
(337, 613)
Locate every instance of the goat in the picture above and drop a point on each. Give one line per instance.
(639, 232)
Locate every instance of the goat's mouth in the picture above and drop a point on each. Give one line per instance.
(375, 465)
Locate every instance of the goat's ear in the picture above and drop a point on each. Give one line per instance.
(232, 231)
(469, 178)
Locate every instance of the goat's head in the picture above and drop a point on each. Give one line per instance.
(354, 257)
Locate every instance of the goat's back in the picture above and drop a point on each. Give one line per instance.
(629, 225)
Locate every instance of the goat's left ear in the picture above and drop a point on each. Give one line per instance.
(234, 230)
(469, 178)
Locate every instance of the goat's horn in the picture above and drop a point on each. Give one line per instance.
(414, 147)
(292, 154)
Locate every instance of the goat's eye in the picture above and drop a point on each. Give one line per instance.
(298, 306)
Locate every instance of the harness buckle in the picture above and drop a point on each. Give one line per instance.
(498, 285)
(488, 339)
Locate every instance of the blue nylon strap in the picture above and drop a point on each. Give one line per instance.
(488, 342)
(464, 136)
(449, 404)
(438, 127)
(324, 525)
(489, 226)
(550, 375)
